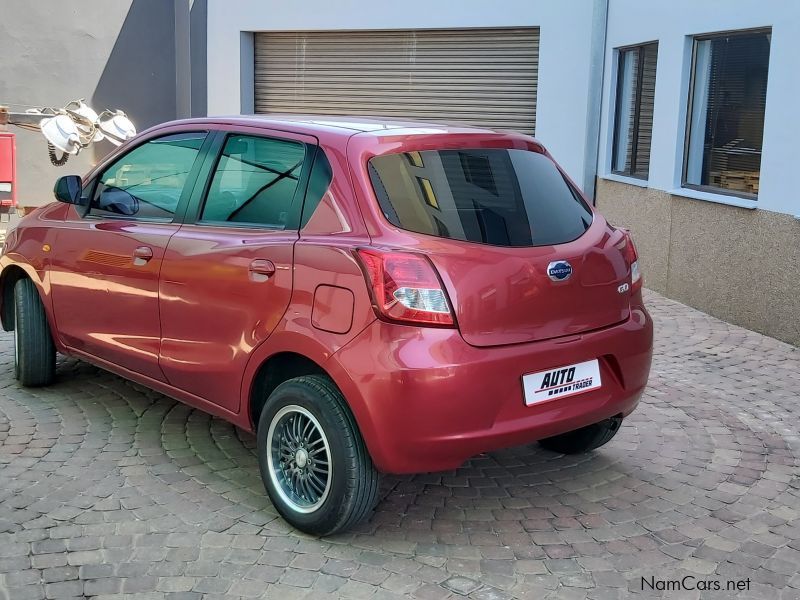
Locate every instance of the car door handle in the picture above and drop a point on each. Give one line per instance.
(142, 255)
(261, 269)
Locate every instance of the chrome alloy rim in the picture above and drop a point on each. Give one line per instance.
(299, 459)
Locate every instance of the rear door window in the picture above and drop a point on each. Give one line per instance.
(255, 182)
(489, 196)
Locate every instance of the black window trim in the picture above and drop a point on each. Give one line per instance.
(183, 202)
(199, 194)
(640, 47)
(767, 30)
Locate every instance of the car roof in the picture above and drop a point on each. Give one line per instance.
(343, 125)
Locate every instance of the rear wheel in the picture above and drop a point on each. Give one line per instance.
(584, 439)
(313, 461)
(34, 352)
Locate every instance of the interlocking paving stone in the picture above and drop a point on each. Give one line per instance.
(109, 490)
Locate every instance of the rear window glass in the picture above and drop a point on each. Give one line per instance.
(492, 196)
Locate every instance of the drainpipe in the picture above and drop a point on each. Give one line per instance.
(597, 55)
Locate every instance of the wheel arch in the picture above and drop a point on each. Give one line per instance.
(9, 278)
(277, 368)
(314, 357)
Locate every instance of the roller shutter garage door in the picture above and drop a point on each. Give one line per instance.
(483, 77)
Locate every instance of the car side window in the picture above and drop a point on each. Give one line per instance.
(318, 182)
(147, 182)
(255, 182)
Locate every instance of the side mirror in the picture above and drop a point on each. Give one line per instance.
(68, 189)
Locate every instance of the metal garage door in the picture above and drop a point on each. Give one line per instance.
(478, 76)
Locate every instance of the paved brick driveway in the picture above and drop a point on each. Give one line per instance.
(108, 490)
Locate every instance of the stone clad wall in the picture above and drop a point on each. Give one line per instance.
(737, 264)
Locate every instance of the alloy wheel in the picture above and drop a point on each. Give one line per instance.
(299, 458)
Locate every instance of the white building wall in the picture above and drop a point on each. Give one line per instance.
(565, 98)
(673, 23)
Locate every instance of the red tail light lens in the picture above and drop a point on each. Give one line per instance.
(406, 288)
(632, 258)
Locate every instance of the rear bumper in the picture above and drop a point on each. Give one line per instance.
(425, 400)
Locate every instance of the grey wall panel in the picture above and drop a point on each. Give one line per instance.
(117, 54)
(199, 43)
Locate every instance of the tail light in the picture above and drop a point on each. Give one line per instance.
(406, 288)
(632, 258)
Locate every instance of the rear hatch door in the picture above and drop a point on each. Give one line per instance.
(521, 254)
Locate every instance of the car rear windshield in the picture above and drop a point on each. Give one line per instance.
(490, 196)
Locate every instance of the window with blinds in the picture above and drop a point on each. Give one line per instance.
(633, 119)
(726, 112)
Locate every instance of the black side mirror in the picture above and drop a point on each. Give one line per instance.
(68, 189)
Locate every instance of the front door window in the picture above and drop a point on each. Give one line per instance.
(148, 181)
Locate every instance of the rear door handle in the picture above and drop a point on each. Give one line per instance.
(142, 255)
(261, 269)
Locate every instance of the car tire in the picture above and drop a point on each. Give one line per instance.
(584, 439)
(34, 351)
(313, 460)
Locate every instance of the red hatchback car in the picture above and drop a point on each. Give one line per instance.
(364, 295)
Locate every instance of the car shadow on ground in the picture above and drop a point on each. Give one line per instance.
(510, 491)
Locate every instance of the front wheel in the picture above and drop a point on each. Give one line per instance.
(313, 461)
(584, 439)
(34, 351)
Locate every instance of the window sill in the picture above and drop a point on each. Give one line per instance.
(717, 198)
(624, 179)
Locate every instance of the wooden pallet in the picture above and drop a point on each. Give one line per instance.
(740, 181)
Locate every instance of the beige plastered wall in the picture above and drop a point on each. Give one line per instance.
(738, 264)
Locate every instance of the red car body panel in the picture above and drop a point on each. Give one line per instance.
(199, 319)
(104, 302)
(202, 282)
(432, 399)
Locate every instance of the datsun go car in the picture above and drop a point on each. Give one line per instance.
(363, 295)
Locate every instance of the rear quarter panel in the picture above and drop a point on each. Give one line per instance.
(323, 256)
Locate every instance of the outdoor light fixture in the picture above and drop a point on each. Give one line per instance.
(61, 132)
(116, 126)
(70, 129)
(85, 118)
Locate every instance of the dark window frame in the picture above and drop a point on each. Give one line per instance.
(621, 52)
(690, 108)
